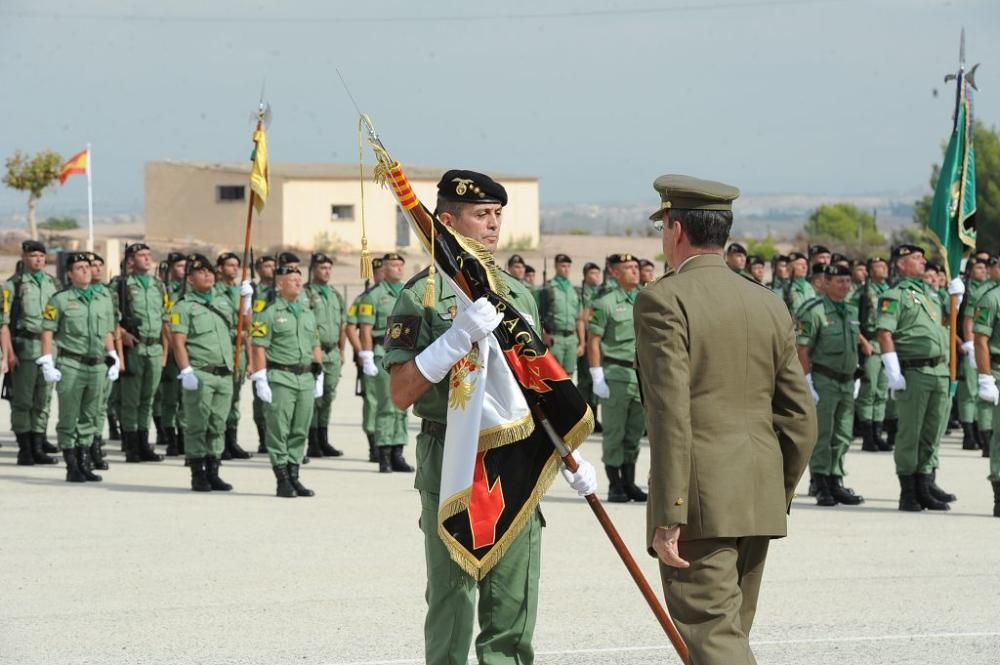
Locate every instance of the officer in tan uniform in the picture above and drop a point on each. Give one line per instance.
(722, 386)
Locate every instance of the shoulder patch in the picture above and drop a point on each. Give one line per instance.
(597, 316)
(805, 328)
(259, 305)
(6, 300)
(982, 315)
(50, 313)
(366, 309)
(258, 329)
(401, 332)
(175, 318)
(887, 305)
(352, 310)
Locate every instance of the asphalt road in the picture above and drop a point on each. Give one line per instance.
(139, 569)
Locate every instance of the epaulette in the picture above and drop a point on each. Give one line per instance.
(416, 278)
(808, 305)
(753, 281)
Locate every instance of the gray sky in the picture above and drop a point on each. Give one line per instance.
(595, 98)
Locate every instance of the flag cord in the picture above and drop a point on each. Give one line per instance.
(366, 259)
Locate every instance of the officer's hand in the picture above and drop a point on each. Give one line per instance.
(857, 388)
(128, 339)
(318, 390)
(547, 340)
(189, 380)
(893, 373)
(988, 391)
(580, 350)
(368, 365)
(956, 287)
(474, 323)
(812, 388)
(49, 371)
(665, 546)
(866, 347)
(114, 365)
(477, 321)
(584, 481)
(260, 384)
(601, 388)
(246, 295)
(967, 348)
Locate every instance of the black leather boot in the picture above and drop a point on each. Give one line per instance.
(169, 436)
(616, 491)
(372, 448)
(86, 467)
(868, 443)
(285, 488)
(924, 497)
(233, 445)
(324, 444)
(114, 432)
(37, 451)
(161, 438)
(824, 494)
(97, 454)
(882, 444)
(984, 441)
(968, 438)
(628, 484)
(813, 485)
(844, 495)
(399, 462)
(212, 472)
(996, 498)
(47, 446)
(293, 476)
(146, 453)
(312, 443)
(937, 492)
(891, 427)
(261, 436)
(180, 441)
(199, 479)
(384, 461)
(908, 495)
(24, 456)
(73, 472)
(130, 444)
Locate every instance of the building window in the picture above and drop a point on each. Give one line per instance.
(341, 213)
(230, 193)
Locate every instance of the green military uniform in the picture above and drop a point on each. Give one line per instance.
(82, 321)
(778, 286)
(369, 405)
(798, 292)
(831, 332)
(874, 393)
(374, 308)
(624, 420)
(987, 322)
(167, 404)
(560, 307)
(508, 593)
(588, 294)
(288, 333)
(970, 408)
(263, 294)
(328, 308)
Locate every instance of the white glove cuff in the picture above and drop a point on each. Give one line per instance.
(809, 378)
(969, 347)
(187, 370)
(259, 375)
(986, 379)
(597, 374)
(366, 355)
(891, 363)
(44, 360)
(436, 360)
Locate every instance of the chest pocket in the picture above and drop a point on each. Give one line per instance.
(201, 322)
(76, 321)
(283, 325)
(440, 318)
(623, 327)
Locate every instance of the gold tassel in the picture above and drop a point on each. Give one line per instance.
(430, 287)
(366, 258)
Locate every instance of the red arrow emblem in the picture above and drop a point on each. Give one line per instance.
(486, 503)
(533, 372)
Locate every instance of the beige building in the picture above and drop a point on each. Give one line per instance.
(309, 206)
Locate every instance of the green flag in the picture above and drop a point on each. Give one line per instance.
(954, 207)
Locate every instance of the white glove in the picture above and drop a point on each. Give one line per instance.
(956, 287)
(584, 481)
(812, 388)
(969, 349)
(601, 388)
(368, 363)
(893, 373)
(261, 385)
(115, 368)
(318, 390)
(857, 388)
(988, 391)
(49, 371)
(473, 324)
(189, 380)
(246, 294)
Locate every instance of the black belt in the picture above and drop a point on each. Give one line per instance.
(149, 341)
(832, 374)
(220, 370)
(25, 334)
(620, 363)
(293, 369)
(378, 340)
(83, 360)
(921, 362)
(327, 348)
(433, 428)
(564, 333)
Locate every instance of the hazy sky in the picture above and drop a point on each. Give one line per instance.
(596, 98)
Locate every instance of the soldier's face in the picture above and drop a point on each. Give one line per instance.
(393, 270)
(911, 265)
(378, 274)
(995, 272)
(979, 272)
(838, 287)
(647, 273)
(593, 277)
(79, 274)
(142, 261)
(202, 280)
(480, 221)
(757, 270)
(860, 274)
(516, 270)
(230, 268)
(823, 258)
(931, 278)
(177, 270)
(736, 261)
(627, 274)
(529, 278)
(34, 261)
(563, 269)
(321, 273)
(800, 267)
(880, 270)
(781, 270)
(266, 270)
(96, 272)
(290, 286)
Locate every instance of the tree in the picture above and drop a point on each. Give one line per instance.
(33, 175)
(59, 224)
(986, 142)
(765, 248)
(845, 223)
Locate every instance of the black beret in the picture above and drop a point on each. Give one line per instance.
(515, 258)
(906, 249)
(197, 262)
(838, 258)
(736, 248)
(29, 246)
(590, 265)
(781, 258)
(818, 249)
(287, 257)
(225, 256)
(992, 262)
(94, 256)
(471, 187)
(563, 258)
(376, 264)
(646, 262)
(755, 261)
(528, 269)
(76, 257)
(135, 248)
(287, 270)
(838, 271)
(936, 267)
(393, 256)
(819, 269)
(980, 259)
(174, 257)
(795, 256)
(265, 259)
(878, 258)
(616, 259)
(320, 257)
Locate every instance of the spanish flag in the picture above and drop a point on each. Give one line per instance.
(258, 173)
(78, 164)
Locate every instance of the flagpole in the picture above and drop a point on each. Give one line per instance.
(241, 321)
(90, 202)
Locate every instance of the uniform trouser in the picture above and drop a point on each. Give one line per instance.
(204, 415)
(233, 412)
(508, 598)
(624, 423)
(834, 424)
(259, 418)
(390, 422)
(968, 391)
(713, 602)
(369, 404)
(114, 400)
(564, 351)
(170, 395)
(139, 382)
(97, 417)
(288, 415)
(995, 443)
(324, 404)
(922, 410)
(585, 384)
(29, 405)
(874, 393)
(79, 393)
